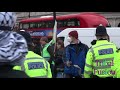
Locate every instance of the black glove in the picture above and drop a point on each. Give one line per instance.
(50, 61)
(93, 42)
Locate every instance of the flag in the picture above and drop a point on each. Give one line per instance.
(53, 41)
(55, 32)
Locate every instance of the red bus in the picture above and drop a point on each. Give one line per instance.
(43, 26)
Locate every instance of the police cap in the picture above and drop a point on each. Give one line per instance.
(101, 30)
(27, 36)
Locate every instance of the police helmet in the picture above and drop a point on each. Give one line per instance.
(101, 30)
(27, 36)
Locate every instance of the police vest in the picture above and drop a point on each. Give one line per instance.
(45, 53)
(116, 66)
(103, 55)
(35, 66)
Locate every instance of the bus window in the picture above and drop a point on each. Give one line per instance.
(42, 25)
(50, 24)
(20, 25)
(71, 22)
(78, 23)
(31, 25)
(39, 24)
(46, 24)
(25, 26)
(60, 24)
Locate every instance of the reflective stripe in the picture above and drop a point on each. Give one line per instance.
(106, 59)
(87, 65)
(60, 69)
(22, 67)
(77, 66)
(103, 45)
(33, 58)
(46, 57)
(46, 65)
(88, 72)
(93, 54)
(101, 67)
(41, 77)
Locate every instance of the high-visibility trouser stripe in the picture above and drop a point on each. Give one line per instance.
(102, 45)
(41, 77)
(106, 59)
(88, 72)
(87, 65)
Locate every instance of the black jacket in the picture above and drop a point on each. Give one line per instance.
(7, 71)
(59, 58)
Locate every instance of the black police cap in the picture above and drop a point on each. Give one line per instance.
(101, 30)
(27, 36)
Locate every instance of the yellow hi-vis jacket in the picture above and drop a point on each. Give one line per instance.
(35, 66)
(99, 59)
(116, 66)
(45, 53)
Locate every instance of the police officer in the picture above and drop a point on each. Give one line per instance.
(34, 65)
(47, 51)
(100, 56)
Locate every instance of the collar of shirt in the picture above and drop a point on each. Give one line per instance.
(101, 41)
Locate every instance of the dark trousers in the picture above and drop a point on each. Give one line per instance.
(53, 70)
(71, 76)
(58, 72)
(6, 71)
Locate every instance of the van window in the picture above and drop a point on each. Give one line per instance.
(68, 22)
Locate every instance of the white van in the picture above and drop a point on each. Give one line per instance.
(86, 35)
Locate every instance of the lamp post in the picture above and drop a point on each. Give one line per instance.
(29, 14)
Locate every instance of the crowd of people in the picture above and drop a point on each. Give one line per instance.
(23, 57)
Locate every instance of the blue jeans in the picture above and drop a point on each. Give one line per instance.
(60, 75)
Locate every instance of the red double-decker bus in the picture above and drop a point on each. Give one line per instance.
(43, 26)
